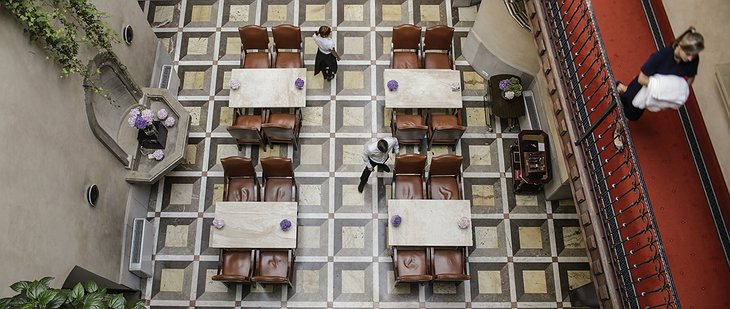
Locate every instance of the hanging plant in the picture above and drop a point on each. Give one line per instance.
(59, 25)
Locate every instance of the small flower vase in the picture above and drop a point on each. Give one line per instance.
(285, 225)
(396, 220)
(150, 130)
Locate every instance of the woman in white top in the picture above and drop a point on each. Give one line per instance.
(327, 57)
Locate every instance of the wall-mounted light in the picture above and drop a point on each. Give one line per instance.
(128, 34)
(92, 195)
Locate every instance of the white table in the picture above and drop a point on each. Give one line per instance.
(420, 88)
(254, 225)
(273, 88)
(429, 223)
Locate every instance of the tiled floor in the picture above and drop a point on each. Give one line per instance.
(527, 253)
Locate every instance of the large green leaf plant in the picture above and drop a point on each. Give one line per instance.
(88, 295)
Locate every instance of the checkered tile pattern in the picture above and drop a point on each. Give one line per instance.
(528, 252)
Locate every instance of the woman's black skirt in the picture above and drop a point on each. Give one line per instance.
(325, 63)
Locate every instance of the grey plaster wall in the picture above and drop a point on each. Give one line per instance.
(49, 156)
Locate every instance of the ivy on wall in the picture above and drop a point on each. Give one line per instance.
(60, 25)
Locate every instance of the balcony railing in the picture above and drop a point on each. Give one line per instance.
(637, 254)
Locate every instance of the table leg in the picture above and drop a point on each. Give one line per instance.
(487, 114)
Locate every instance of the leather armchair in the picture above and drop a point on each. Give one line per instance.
(246, 129)
(411, 265)
(235, 266)
(254, 47)
(274, 266)
(408, 129)
(239, 180)
(288, 46)
(404, 53)
(445, 129)
(449, 264)
(283, 128)
(279, 182)
(444, 178)
(408, 177)
(437, 52)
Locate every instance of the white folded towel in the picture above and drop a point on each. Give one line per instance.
(663, 92)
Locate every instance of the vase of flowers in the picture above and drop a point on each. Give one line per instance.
(392, 85)
(299, 83)
(142, 118)
(510, 88)
(396, 220)
(285, 225)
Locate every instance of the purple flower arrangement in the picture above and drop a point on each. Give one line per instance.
(140, 118)
(285, 225)
(396, 220)
(169, 122)
(464, 222)
(162, 114)
(157, 155)
(234, 84)
(299, 83)
(511, 88)
(392, 85)
(218, 223)
(503, 84)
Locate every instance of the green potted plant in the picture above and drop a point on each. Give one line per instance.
(39, 295)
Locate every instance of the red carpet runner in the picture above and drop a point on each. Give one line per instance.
(697, 262)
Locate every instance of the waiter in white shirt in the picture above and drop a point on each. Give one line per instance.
(376, 154)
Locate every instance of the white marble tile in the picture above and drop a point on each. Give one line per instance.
(233, 46)
(353, 281)
(194, 115)
(176, 236)
(525, 200)
(312, 116)
(480, 155)
(353, 79)
(352, 154)
(201, 13)
(311, 154)
(475, 116)
(353, 116)
(404, 288)
(430, 12)
(190, 155)
(351, 197)
(197, 46)
(353, 237)
(468, 13)
(218, 190)
(572, 237)
(448, 288)
(490, 282)
(239, 13)
(353, 12)
(181, 193)
(315, 12)
(307, 281)
(578, 278)
(171, 280)
(530, 237)
(310, 194)
(226, 117)
(213, 286)
(354, 45)
(482, 195)
(164, 13)
(277, 12)
(535, 281)
(225, 151)
(392, 12)
(310, 48)
(193, 80)
(486, 237)
(314, 82)
(309, 236)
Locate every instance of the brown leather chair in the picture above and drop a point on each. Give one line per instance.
(404, 53)
(408, 129)
(235, 266)
(437, 47)
(408, 177)
(444, 178)
(239, 180)
(445, 129)
(246, 129)
(274, 266)
(254, 47)
(283, 128)
(288, 46)
(279, 182)
(411, 265)
(449, 264)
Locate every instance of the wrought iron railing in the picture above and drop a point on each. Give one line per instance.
(637, 254)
